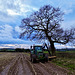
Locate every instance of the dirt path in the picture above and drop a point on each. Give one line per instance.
(48, 68)
(21, 65)
(41, 70)
(54, 68)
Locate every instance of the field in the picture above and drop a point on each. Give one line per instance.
(66, 60)
(19, 64)
(5, 59)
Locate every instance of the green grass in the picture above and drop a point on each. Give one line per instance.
(45, 51)
(65, 51)
(27, 54)
(65, 61)
(69, 63)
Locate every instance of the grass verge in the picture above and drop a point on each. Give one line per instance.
(66, 62)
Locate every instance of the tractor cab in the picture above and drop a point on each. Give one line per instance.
(38, 49)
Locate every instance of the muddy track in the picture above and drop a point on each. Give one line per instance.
(21, 65)
(54, 68)
(41, 70)
(48, 68)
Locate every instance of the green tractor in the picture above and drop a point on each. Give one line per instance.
(36, 54)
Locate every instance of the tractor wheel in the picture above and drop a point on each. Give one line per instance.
(33, 60)
(46, 59)
(30, 59)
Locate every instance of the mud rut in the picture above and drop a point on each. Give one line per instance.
(21, 65)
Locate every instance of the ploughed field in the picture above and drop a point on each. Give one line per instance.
(20, 64)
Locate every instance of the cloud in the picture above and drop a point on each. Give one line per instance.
(17, 29)
(68, 11)
(11, 12)
(4, 17)
(63, 46)
(6, 31)
(68, 24)
(14, 46)
(28, 46)
(7, 35)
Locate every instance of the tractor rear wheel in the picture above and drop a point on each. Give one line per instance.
(33, 60)
(46, 59)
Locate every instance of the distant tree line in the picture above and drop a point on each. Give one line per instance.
(14, 50)
(22, 50)
(66, 49)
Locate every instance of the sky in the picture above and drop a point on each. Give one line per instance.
(13, 11)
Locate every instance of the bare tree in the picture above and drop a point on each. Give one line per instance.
(45, 24)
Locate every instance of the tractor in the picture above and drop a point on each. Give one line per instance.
(36, 54)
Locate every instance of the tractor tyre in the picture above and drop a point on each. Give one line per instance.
(30, 59)
(33, 60)
(46, 59)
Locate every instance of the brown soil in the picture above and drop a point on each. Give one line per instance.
(6, 58)
(21, 65)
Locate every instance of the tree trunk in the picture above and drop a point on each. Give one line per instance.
(48, 48)
(51, 44)
(52, 48)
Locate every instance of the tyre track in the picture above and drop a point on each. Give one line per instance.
(14, 68)
(21, 65)
(30, 65)
(40, 69)
(7, 68)
(54, 68)
(48, 68)
(26, 67)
